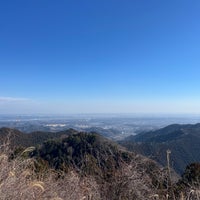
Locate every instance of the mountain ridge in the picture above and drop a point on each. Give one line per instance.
(182, 140)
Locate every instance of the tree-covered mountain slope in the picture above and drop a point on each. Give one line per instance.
(102, 167)
(79, 165)
(182, 140)
(17, 138)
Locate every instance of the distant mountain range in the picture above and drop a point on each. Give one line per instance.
(182, 140)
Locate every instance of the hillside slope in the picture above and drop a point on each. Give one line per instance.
(94, 166)
(182, 140)
(17, 138)
(80, 165)
(118, 173)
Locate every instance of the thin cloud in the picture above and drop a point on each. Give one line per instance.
(12, 99)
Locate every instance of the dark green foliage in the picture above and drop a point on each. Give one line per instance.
(189, 184)
(88, 153)
(182, 140)
(118, 174)
(16, 138)
(192, 174)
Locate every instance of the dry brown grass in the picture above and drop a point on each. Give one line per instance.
(20, 181)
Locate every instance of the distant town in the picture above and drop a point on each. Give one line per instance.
(114, 126)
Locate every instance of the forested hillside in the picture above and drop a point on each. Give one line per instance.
(79, 165)
(182, 140)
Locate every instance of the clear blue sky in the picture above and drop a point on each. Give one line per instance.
(75, 56)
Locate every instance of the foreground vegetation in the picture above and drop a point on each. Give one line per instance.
(87, 166)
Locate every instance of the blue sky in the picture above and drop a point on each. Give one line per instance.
(109, 56)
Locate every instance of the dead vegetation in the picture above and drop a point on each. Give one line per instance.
(140, 178)
(18, 180)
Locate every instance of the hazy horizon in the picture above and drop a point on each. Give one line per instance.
(100, 57)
